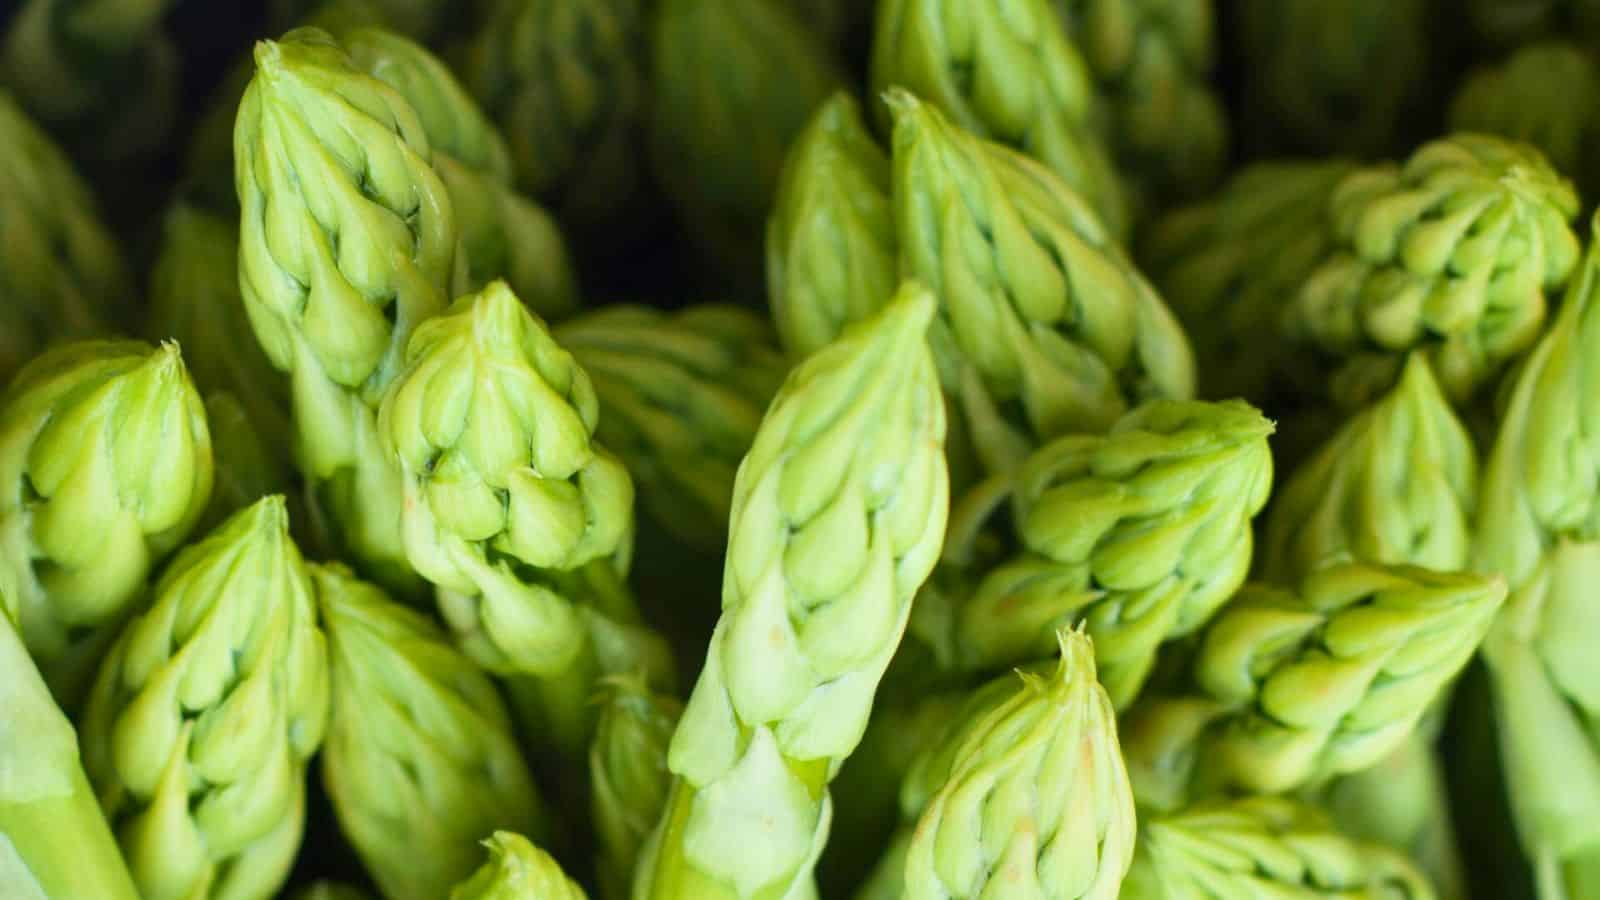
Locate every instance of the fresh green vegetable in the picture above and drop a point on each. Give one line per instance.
(1338, 76)
(838, 513)
(512, 509)
(347, 242)
(628, 775)
(1044, 326)
(517, 870)
(1005, 71)
(105, 468)
(54, 841)
(206, 712)
(61, 274)
(101, 73)
(1536, 526)
(564, 80)
(420, 761)
(1450, 253)
(830, 239)
(1153, 62)
(1263, 847)
(195, 300)
(680, 398)
(1397, 484)
(503, 234)
(1230, 263)
(1037, 802)
(1299, 686)
(732, 83)
(1140, 534)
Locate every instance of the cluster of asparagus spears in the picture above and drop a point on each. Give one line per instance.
(367, 550)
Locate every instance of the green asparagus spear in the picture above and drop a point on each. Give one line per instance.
(420, 763)
(830, 239)
(838, 514)
(105, 468)
(1005, 71)
(680, 398)
(206, 712)
(517, 870)
(347, 242)
(628, 775)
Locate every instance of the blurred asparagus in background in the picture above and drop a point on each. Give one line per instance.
(628, 775)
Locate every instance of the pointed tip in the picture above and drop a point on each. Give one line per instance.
(268, 514)
(498, 313)
(268, 56)
(1077, 656)
(900, 101)
(166, 363)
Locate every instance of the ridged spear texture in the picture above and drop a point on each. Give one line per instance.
(330, 890)
(838, 514)
(1337, 76)
(517, 870)
(1537, 525)
(1261, 847)
(1547, 94)
(733, 82)
(1007, 72)
(1153, 62)
(564, 81)
(61, 273)
(1037, 802)
(1229, 264)
(628, 775)
(195, 300)
(830, 239)
(681, 395)
(515, 512)
(1040, 313)
(347, 242)
(1140, 534)
(503, 234)
(105, 468)
(1401, 802)
(1397, 484)
(1299, 686)
(421, 762)
(100, 73)
(205, 714)
(54, 840)
(1450, 253)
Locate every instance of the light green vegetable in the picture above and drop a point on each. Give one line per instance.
(54, 841)
(517, 870)
(1153, 62)
(195, 300)
(1537, 526)
(1401, 803)
(1547, 94)
(105, 468)
(830, 239)
(206, 712)
(628, 776)
(1397, 484)
(1230, 264)
(1263, 847)
(1334, 75)
(1299, 686)
(680, 397)
(732, 83)
(100, 73)
(1007, 72)
(348, 240)
(1044, 326)
(1450, 253)
(1140, 534)
(1037, 802)
(838, 514)
(61, 273)
(420, 753)
(564, 81)
(503, 234)
(512, 509)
